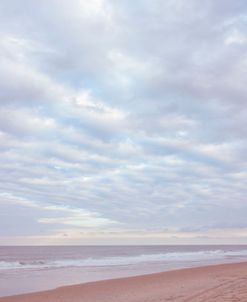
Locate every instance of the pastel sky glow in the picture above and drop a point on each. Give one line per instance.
(123, 122)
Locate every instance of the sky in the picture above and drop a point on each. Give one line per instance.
(123, 122)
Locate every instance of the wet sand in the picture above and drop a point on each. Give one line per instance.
(217, 283)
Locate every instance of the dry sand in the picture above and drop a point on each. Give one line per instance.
(218, 283)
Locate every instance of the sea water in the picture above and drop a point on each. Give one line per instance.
(35, 268)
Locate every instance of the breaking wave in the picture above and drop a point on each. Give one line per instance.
(170, 257)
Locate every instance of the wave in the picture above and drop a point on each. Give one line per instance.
(125, 261)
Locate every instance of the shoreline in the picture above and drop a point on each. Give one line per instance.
(221, 282)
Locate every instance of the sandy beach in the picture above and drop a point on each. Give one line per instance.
(217, 283)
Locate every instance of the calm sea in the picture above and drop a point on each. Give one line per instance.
(28, 269)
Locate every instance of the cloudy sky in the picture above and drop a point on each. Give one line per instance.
(123, 121)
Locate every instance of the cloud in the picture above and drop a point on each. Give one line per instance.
(55, 214)
(120, 116)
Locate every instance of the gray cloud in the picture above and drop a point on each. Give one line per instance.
(131, 116)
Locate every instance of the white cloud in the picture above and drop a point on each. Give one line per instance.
(109, 117)
(235, 37)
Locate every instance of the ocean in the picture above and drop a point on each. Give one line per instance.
(36, 268)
